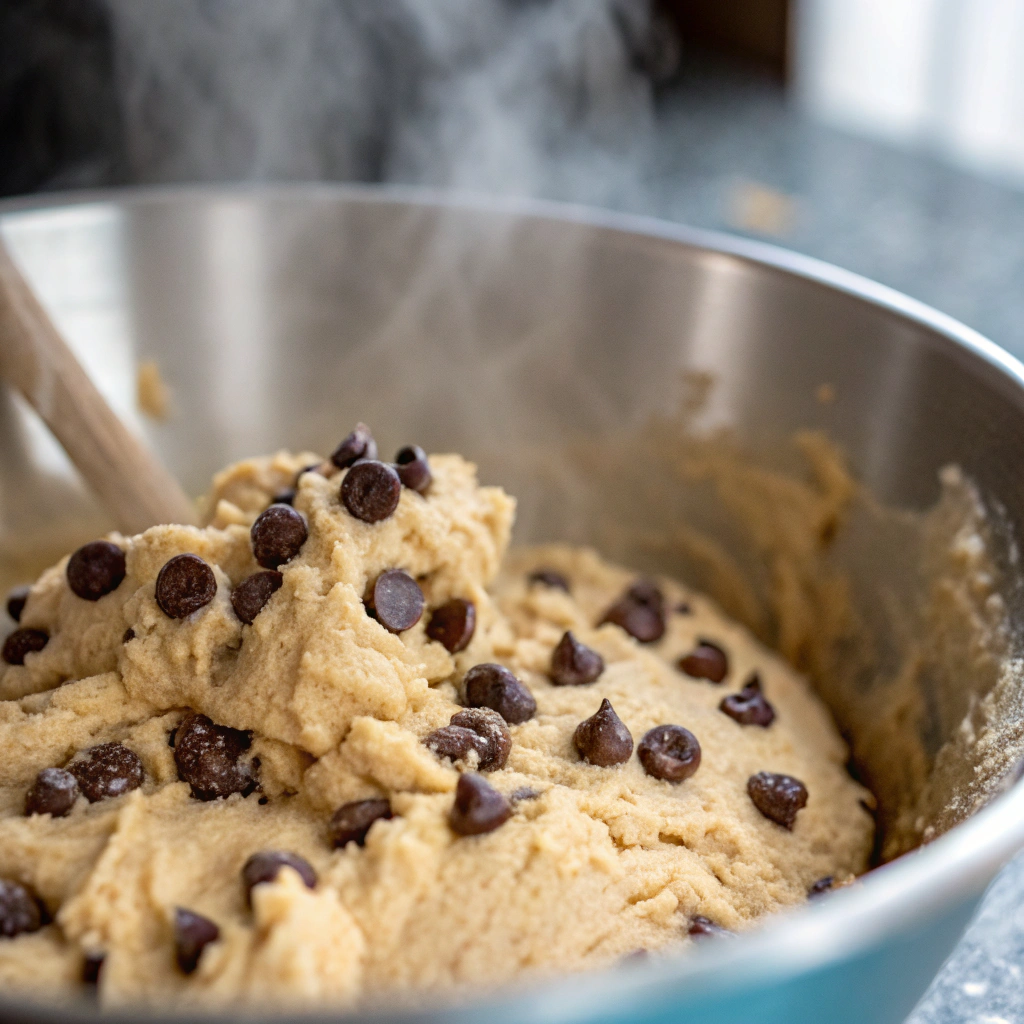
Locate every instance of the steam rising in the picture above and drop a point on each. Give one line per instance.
(527, 97)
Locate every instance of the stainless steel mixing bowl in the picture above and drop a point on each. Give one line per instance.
(516, 332)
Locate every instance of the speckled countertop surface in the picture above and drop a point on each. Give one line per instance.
(946, 237)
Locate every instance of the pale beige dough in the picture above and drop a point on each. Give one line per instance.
(601, 862)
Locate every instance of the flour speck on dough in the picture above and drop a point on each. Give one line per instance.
(190, 712)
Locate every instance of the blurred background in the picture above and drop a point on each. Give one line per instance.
(883, 135)
(886, 136)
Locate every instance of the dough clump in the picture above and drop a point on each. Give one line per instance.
(317, 704)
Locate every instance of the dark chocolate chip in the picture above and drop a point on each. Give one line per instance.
(23, 642)
(749, 706)
(573, 663)
(495, 687)
(20, 911)
(821, 886)
(646, 593)
(479, 729)
(478, 807)
(358, 445)
(277, 535)
(16, 601)
(548, 578)
(489, 724)
(92, 964)
(249, 597)
(453, 624)
(413, 468)
(683, 608)
(109, 770)
(266, 865)
(53, 792)
(208, 759)
(669, 752)
(370, 491)
(313, 467)
(129, 636)
(640, 612)
(704, 928)
(192, 934)
(777, 797)
(285, 497)
(96, 569)
(184, 585)
(352, 821)
(603, 739)
(706, 661)
(455, 743)
(396, 600)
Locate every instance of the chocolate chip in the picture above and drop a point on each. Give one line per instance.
(96, 569)
(669, 752)
(358, 445)
(20, 911)
(266, 865)
(396, 600)
(92, 964)
(453, 624)
(207, 756)
(16, 601)
(706, 661)
(249, 597)
(495, 687)
(285, 497)
(646, 593)
(640, 612)
(413, 468)
(109, 770)
(704, 928)
(313, 467)
(777, 797)
(53, 792)
(277, 535)
(478, 807)
(184, 585)
(129, 636)
(821, 886)
(23, 642)
(603, 739)
(548, 578)
(192, 934)
(749, 706)
(370, 491)
(455, 743)
(479, 729)
(573, 663)
(352, 821)
(683, 608)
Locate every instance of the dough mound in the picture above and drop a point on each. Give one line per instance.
(593, 863)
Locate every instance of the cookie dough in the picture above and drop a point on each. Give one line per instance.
(327, 722)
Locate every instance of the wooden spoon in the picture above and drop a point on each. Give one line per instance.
(134, 487)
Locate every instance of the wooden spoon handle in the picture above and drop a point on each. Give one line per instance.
(125, 475)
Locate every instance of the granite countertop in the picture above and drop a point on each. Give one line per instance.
(730, 153)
